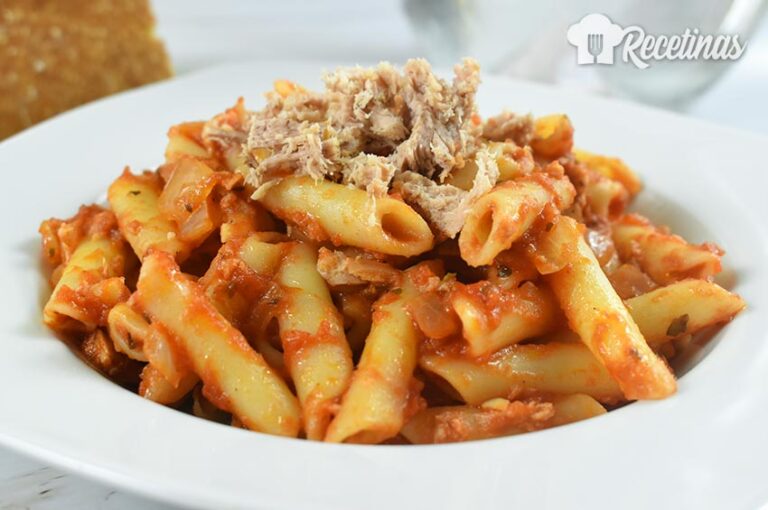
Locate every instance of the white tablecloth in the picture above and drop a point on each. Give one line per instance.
(200, 33)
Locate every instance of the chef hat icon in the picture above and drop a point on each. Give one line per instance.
(595, 37)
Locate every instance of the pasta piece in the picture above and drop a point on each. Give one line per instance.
(348, 216)
(315, 350)
(202, 408)
(262, 257)
(242, 217)
(163, 354)
(552, 136)
(134, 199)
(356, 309)
(155, 387)
(239, 275)
(528, 369)
(272, 356)
(53, 251)
(375, 406)
(497, 417)
(315, 353)
(492, 318)
(559, 335)
(90, 285)
(598, 315)
(511, 268)
(612, 168)
(665, 257)
(286, 88)
(606, 198)
(512, 161)
(235, 377)
(573, 408)
(682, 308)
(128, 331)
(501, 216)
(185, 140)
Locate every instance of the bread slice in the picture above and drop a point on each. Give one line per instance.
(56, 55)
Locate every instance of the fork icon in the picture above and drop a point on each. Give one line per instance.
(595, 45)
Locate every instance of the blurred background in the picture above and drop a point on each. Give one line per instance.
(56, 54)
(523, 39)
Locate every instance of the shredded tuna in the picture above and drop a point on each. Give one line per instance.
(230, 128)
(378, 128)
(509, 126)
(225, 135)
(370, 172)
(418, 121)
(445, 206)
(442, 133)
(290, 136)
(294, 145)
(367, 108)
(353, 267)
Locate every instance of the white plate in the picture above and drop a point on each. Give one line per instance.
(706, 447)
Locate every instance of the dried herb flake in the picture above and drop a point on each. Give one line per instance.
(678, 326)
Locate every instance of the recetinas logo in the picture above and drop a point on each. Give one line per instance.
(596, 37)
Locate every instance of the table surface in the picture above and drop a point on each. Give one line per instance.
(201, 34)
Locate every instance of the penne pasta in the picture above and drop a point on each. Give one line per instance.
(492, 318)
(134, 199)
(504, 214)
(374, 407)
(682, 308)
(597, 314)
(325, 211)
(606, 198)
(315, 350)
(497, 417)
(261, 256)
(557, 368)
(573, 408)
(611, 168)
(128, 331)
(356, 310)
(234, 376)
(511, 160)
(241, 217)
(202, 408)
(665, 257)
(511, 268)
(185, 140)
(155, 387)
(315, 353)
(90, 285)
(552, 136)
